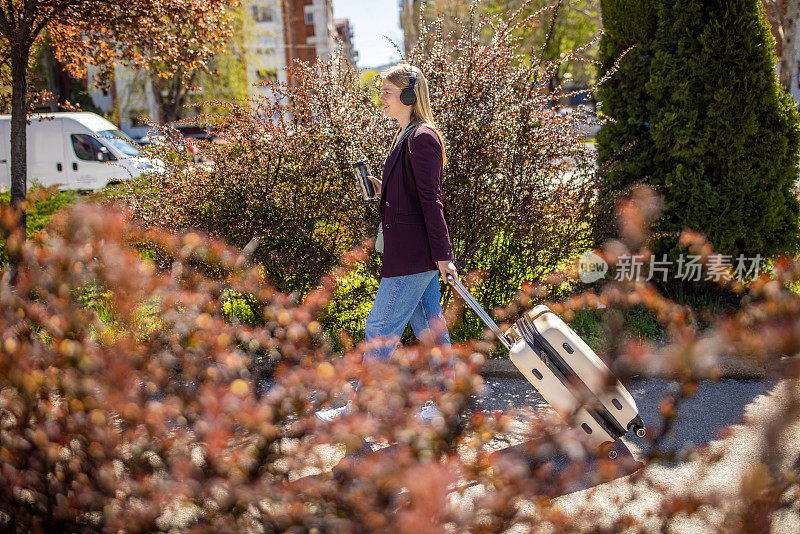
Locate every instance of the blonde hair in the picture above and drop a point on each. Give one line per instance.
(400, 76)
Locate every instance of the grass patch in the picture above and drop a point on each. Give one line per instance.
(638, 323)
(589, 325)
(39, 213)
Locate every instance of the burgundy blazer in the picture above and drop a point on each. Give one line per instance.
(415, 233)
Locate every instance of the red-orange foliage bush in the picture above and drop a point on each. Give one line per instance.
(149, 420)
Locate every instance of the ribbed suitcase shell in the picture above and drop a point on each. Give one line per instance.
(571, 377)
(566, 371)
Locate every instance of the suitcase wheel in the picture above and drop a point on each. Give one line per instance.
(608, 449)
(637, 425)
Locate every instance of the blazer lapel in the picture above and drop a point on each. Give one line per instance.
(391, 163)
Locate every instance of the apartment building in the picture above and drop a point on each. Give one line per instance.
(131, 95)
(344, 32)
(264, 44)
(274, 33)
(309, 30)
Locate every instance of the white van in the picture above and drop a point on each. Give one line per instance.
(74, 150)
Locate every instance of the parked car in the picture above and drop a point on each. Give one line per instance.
(184, 136)
(76, 150)
(187, 136)
(196, 132)
(590, 124)
(200, 132)
(149, 140)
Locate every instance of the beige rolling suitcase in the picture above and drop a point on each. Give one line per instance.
(566, 372)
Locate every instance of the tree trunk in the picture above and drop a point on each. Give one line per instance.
(167, 104)
(170, 99)
(156, 86)
(790, 58)
(19, 117)
(50, 69)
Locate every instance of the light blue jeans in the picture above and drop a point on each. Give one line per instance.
(413, 298)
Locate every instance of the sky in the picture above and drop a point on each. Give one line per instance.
(370, 21)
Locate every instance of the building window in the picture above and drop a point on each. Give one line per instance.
(309, 18)
(267, 74)
(262, 14)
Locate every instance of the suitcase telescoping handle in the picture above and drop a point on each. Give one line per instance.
(478, 309)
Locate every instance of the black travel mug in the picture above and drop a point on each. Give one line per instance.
(365, 187)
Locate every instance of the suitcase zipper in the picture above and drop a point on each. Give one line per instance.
(568, 377)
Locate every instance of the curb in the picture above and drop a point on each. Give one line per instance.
(500, 368)
(730, 368)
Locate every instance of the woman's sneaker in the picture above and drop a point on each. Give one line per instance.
(333, 413)
(428, 412)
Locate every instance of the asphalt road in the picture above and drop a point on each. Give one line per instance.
(702, 418)
(710, 420)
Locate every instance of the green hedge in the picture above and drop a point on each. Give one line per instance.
(715, 133)
(628, 22)
(39, 214)
(725, 132)
(624, 147)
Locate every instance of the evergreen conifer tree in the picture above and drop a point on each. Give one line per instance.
(714, 132)
(624, 146)
(725, 134)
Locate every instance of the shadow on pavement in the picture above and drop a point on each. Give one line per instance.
(715, 406)
(701, 417)
(554, 473)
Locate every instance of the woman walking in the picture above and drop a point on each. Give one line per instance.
(416, 243)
